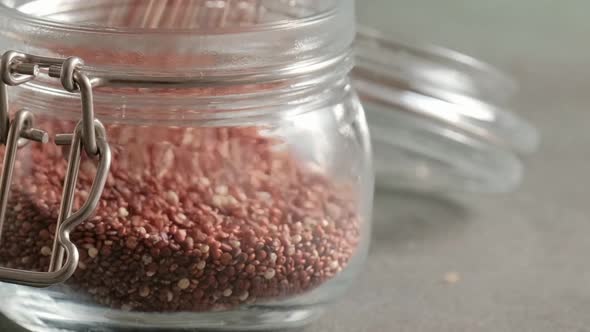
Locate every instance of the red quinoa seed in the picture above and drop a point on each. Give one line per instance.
(190, 220)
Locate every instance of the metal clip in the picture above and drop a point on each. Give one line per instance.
(90, 135)
(18, 68)
(66, 223)
(60, 272)
(7, 73)
(21, 127)
(72, 79)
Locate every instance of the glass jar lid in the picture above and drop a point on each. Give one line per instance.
(438, 118)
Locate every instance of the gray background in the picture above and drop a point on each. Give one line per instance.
(520, 258)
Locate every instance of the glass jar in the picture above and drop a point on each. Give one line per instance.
(231, 179)
(240, 185)
(440, 120)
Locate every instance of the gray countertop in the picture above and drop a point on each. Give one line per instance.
(512, 262)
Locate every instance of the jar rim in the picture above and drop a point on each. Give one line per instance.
(9, 9)
(264, 52)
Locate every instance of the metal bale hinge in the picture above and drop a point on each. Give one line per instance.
(89, 136)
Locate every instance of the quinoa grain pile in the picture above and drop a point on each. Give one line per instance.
(190, 220)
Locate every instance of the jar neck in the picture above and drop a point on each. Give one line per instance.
(254, 54)
(213, 105)
(292, 38)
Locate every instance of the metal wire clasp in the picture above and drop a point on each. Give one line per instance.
(17, 68)
(89, 136)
